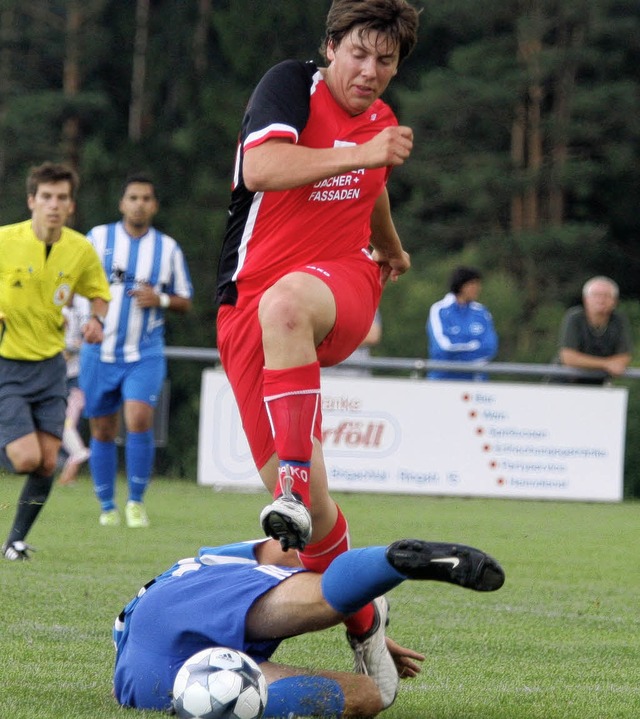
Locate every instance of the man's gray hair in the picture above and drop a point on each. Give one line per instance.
(601, 278)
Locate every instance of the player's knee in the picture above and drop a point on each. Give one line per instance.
(362, 698)
(281, 309)
(24, 462)
(47, 467)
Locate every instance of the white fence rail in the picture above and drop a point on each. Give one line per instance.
(417, 367)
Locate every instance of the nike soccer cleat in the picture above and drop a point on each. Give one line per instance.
(443, 562)
(372, 656)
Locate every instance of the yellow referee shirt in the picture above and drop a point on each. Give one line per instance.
(35, 287)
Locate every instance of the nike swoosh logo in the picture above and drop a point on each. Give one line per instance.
(453, 561)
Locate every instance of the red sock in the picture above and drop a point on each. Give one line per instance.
(292, 401)
(319, 555)
(360, 622)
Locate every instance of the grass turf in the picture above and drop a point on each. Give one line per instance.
(560, 640)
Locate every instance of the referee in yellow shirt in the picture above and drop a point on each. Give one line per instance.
(42, 263)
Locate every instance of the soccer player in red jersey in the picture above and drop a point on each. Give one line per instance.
(309, 245)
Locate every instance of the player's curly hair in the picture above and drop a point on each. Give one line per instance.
(396, 19)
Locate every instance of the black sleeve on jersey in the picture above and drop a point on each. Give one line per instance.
(281, 96)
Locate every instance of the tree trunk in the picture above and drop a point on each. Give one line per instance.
(200, 37)
(535, 156)
(6, 37)
(517, 160)
(71, 82)
(139, 71)
(529, 52)
(569, 39)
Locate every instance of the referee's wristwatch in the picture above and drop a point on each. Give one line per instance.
(100, 318)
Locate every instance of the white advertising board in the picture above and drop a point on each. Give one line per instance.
(442, 438)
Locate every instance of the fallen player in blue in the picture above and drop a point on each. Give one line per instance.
(248, 596)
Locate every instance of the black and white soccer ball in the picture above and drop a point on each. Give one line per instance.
(219, 683)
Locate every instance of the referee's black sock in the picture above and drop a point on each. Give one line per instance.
(32, 498)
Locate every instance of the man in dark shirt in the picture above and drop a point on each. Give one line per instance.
(596, 336)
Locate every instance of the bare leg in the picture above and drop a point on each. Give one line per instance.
(296, 314)
(295, 606)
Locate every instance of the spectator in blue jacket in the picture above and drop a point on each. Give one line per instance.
(459, 328)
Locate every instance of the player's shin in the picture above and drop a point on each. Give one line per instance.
(304, 696)
(292, 401)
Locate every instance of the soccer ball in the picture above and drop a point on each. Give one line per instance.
(219, 683)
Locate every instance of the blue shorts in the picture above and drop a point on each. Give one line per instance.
(198, 606)
(106, 385)
(33, 396)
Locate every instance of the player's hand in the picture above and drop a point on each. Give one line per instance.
(145, 296)
(391, 267)
(92, 331)
(390, 147)
(615, 366)
(404, 658)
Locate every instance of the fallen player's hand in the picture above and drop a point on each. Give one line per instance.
(404, 659)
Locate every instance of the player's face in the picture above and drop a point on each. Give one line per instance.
(601, 299)
(138, 207)
(51, 206)
(360, 68)
(470, 291)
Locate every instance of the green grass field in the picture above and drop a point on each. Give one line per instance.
(560, 640)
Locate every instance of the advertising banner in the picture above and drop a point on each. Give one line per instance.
(442, 438)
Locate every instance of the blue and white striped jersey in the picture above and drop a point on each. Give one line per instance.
(131, 332)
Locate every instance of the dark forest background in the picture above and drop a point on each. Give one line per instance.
(526, 116)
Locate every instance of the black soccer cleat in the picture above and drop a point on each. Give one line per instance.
(442, 562)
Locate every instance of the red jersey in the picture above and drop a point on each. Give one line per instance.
(269, 234)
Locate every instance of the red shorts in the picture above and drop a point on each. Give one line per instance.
(356, 287)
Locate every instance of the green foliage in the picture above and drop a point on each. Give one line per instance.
(277, 31)
(558, 640)
(461, 91)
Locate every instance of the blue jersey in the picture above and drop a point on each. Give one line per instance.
(132, 332)
(199, 602)
(460, 333)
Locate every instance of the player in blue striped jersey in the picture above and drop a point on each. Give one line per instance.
(148, 275)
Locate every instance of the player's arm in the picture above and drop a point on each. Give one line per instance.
(614, 365)
(388, 251)
(278, 164)
(374, 335)
(147, 297)
(93, 329)
(489, 338)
